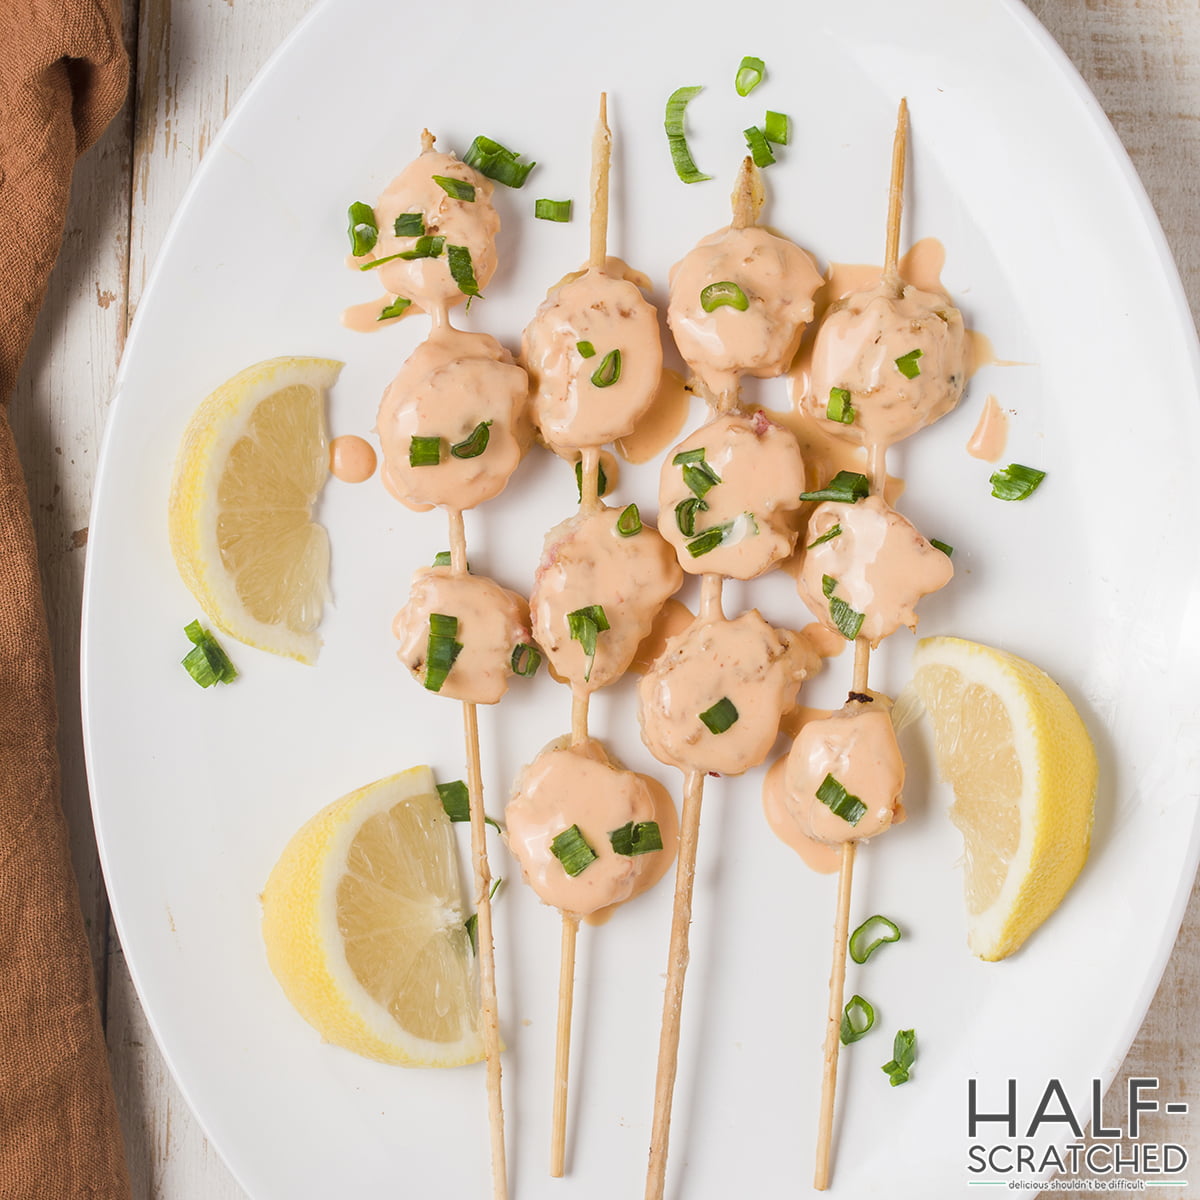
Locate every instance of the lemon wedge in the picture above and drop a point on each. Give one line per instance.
(1024, 773)
(252, 462)
(363, 923)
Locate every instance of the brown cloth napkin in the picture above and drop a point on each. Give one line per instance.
(63, 72)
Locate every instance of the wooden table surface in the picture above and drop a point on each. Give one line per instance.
(193, 58)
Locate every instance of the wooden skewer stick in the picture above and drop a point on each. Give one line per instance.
(562, 1048)
(679, 955)
(483, 907)
(748, 196)
(601, 160)
(891, 254)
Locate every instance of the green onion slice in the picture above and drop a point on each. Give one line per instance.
(441, 558)
(847, 620)
(858, 1018)
(839, 407)
(904, 1053)
(760, 148)
(363, 230)
(425, 452)
(1016, 482)
(776, 127)
(206, 662)
(458, 189)
(637, 837)
(441, 651)
(425, 247)
(601, 480)
(471, 924)
(609, 370)
(497, 162)
(474, 444)
(722, 716)
(840, 802)
(681, 156)
(461, 270)
(525, 660)
(710, 539)
(397, 308)
(552, 210)
(846, 486)
(947, 550)
(456, 801)
(572, 850)
(688, 456)
(864, 941)
(834, 531)
(410, 225)
(749, 75)
(700, 479)
(629, 523)
(725, 294)
(584, 626)
(586, 349)
(686, 512)
(906, 364)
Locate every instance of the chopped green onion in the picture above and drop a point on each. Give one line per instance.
(858, 1018)
(759, 147)
(721, 716)
(456, 801)
(458, 189)
(835, 531)
(497, 162)
(552, 210)
(473, 445)
(686, 512)
(397, 308)
(906, 364)
(846, 486)
(441, 651)
(584, 626)
(410, 225)
(461, 270)
(601, 480)
(948, 551)
(441, 558)
(637, 837)
(860, 948)
(776, 127)
(700, 479)
(586, 349)
(904, 1053)
(681, 156)
(425, 247)
(749, 75)
(425, 452)
(206, 662)
(708, 541)
(840, 802)
(609, 370)
(1016, 482)
(725, 294)
(847, 619)
(688, 456)
(570, 848)
(629, 523)
(471, 924)
(525, 660)
(839, 407)
(363, 230)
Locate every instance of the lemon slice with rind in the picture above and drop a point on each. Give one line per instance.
(1024, 774)
(363, 924)
(251, 464)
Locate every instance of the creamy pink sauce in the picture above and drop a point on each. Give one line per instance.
(367, 317)
(579, 785)
(586, 561)
(762, 476)
(745, 661)
(857, 746)
(492, 621)
(472, 224)
(882, 565)
(778, 280)
(351, 458)
(818, 856)
(991, 433)
(659, 426)
(607, 311)
(450, 384)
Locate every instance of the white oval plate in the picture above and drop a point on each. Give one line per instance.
(1052, 250)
